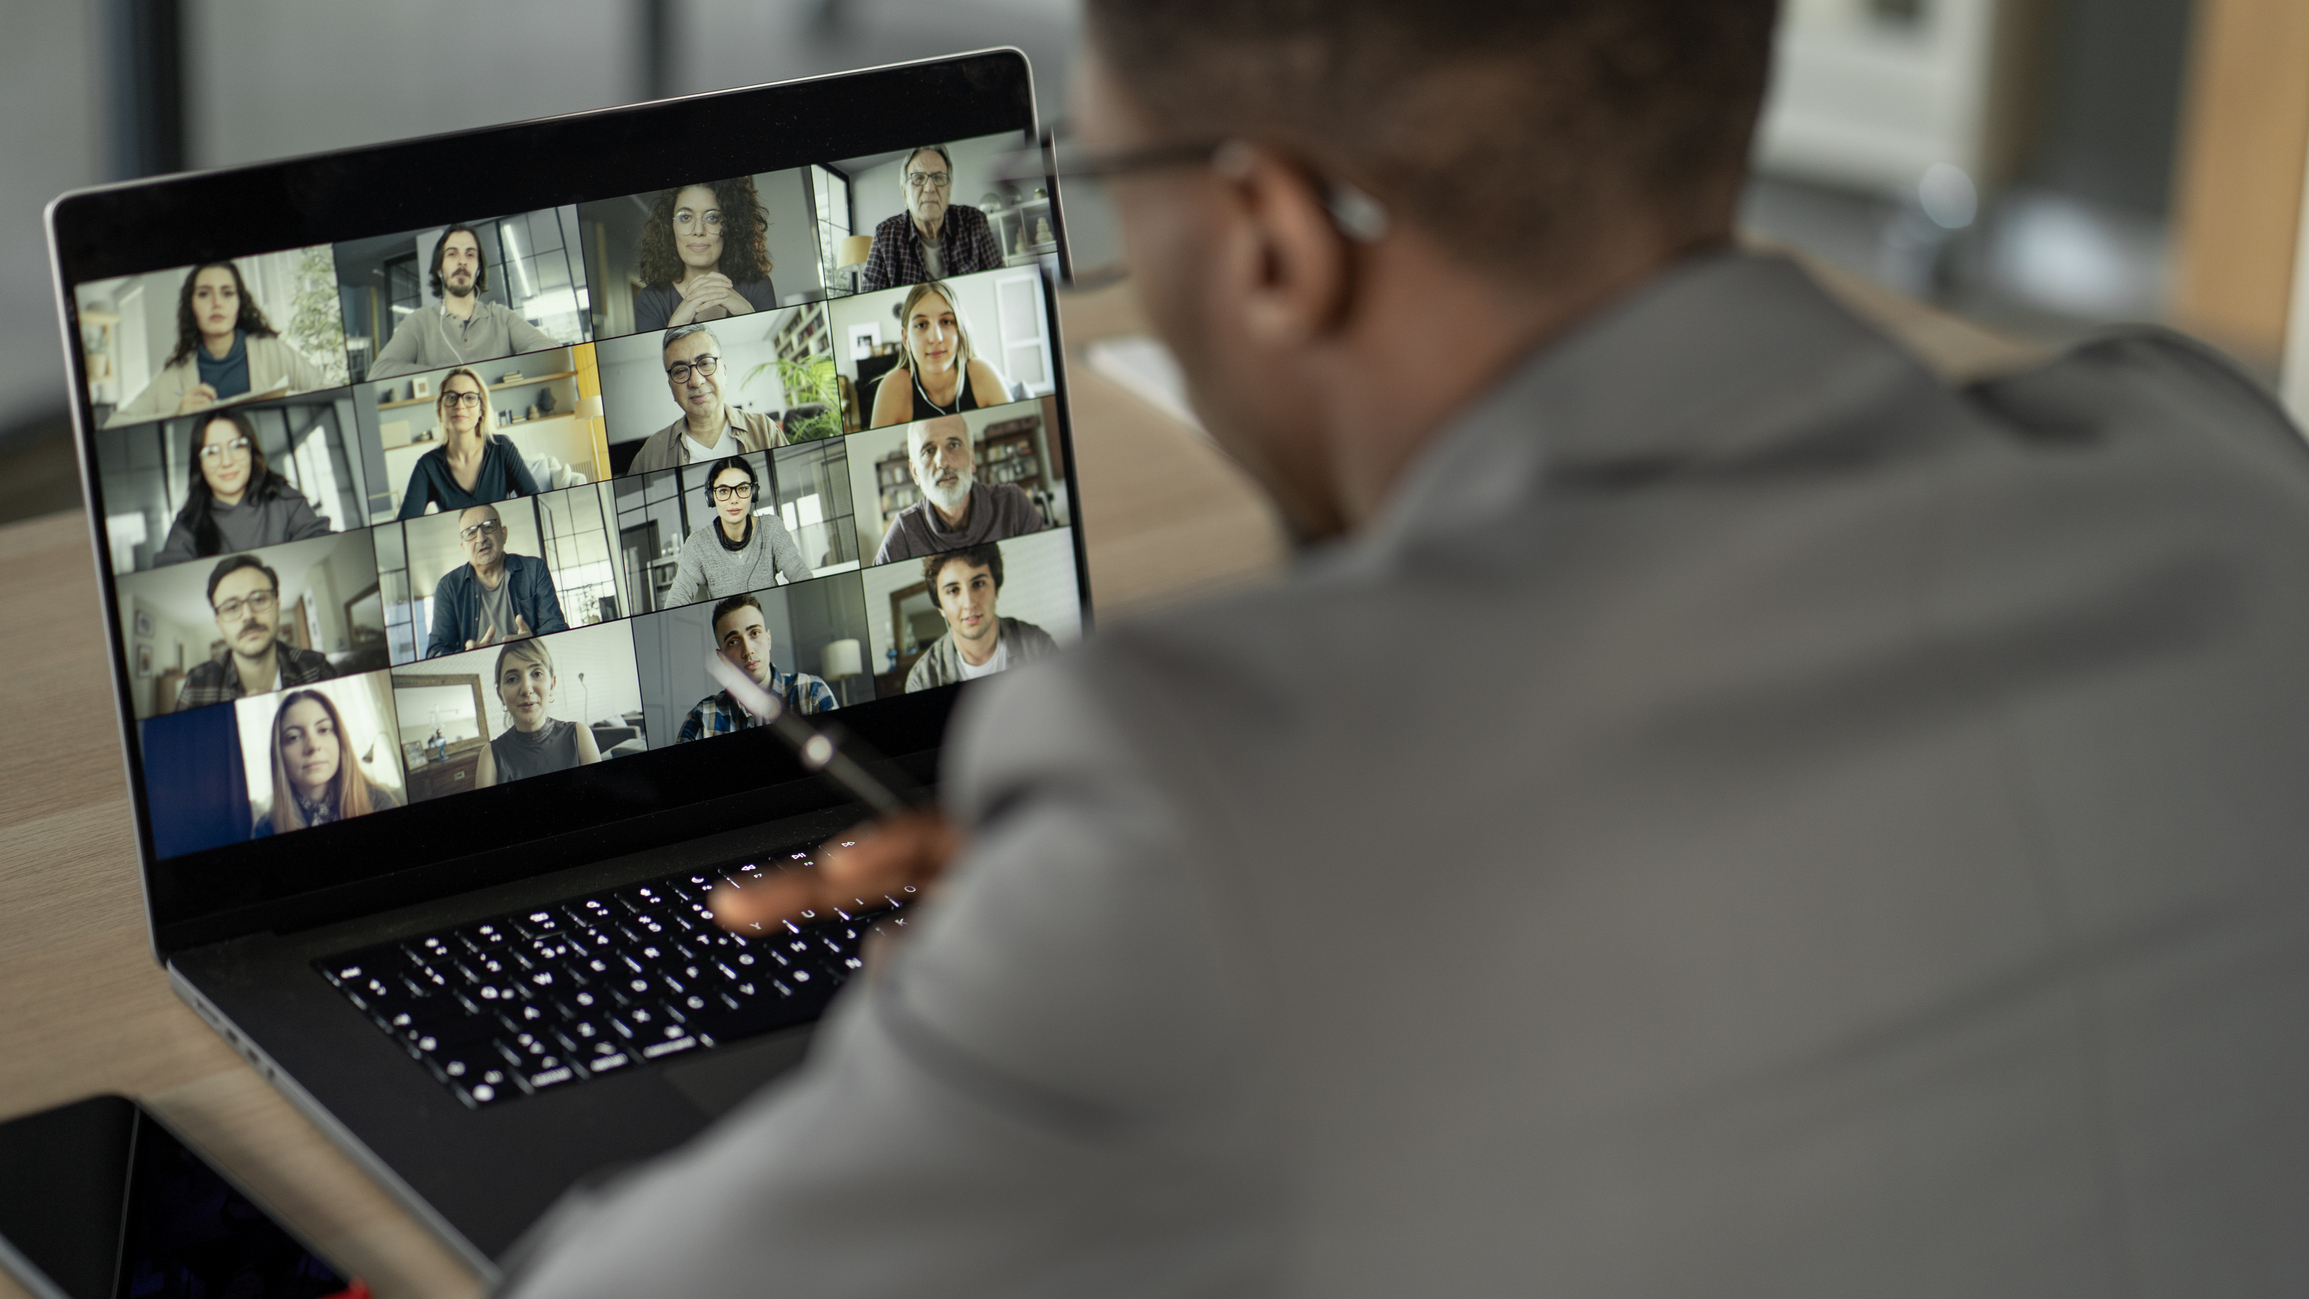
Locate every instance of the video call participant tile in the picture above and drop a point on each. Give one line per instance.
(447, 439)
(702, 251)
(969, 613)
(942, 347)
(530, 566)
(240, 477)
(805, 644)
(217, 630)
(194, 338)
(958, 480)
(529, 707)
(696, 392)
(462, 294)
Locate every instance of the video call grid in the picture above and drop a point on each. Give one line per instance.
(576, 385)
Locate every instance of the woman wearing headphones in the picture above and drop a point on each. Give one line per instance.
(743, 550)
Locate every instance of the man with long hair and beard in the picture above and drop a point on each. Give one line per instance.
(462, 327)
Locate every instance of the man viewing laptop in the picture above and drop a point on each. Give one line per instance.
(1877, 871)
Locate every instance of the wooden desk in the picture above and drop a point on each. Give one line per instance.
(84, 1009)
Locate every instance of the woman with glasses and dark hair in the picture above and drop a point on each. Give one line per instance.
(932, 239)
(742, 550)
(938, 371)
(472, 466)
(317, 778)
(704, 255)
(225, 348)
(534, 742)
(233, 501)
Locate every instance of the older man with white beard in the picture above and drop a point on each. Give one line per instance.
(956, 510)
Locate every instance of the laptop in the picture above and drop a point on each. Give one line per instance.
(428, 480)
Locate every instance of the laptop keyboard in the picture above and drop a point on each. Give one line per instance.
(603, 983)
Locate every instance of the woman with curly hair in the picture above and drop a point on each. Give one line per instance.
(704, 255)
(224, 348)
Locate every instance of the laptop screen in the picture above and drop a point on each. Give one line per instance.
(417, 535)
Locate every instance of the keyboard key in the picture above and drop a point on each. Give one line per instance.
(539, 923)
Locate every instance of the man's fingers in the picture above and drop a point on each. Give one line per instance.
(893, 859)
(766, 902)
(520, 625)
(905, 851)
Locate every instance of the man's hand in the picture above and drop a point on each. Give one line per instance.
(906, 851)
(488, 638)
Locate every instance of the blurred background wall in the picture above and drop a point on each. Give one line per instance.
(2046, 167)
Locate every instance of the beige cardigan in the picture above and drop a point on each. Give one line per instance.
(272, 364)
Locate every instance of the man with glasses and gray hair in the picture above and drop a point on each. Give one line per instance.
(708, 429)
(495, 596)
(932, 239)
(246, 595)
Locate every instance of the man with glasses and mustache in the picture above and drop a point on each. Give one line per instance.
(246, 596)
(460, 328)
(956, 510)
(708, 429)
(495, 596)
(931, 239)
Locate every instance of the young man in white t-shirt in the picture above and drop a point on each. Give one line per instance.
(979, 642)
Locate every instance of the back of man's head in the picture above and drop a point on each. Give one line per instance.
(1508, 131)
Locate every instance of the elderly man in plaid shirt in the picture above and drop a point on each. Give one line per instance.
(744, 639)
(931, 239)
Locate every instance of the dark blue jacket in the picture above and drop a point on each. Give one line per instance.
(457, 604)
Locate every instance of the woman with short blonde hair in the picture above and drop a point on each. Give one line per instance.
(535, 742)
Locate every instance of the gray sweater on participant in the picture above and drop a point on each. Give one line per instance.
(1004, 510)
(431, 339)
(264, 521)
(710, 570)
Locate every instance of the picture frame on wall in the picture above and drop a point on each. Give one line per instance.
(143, 654)
(144, 623)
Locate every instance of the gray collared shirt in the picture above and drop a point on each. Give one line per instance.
(1746, 820)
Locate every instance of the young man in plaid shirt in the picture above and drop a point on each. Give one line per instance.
(744, 639)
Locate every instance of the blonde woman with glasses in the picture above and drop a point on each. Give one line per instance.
(472, 466)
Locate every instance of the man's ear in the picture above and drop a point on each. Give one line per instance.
(1292, 267)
